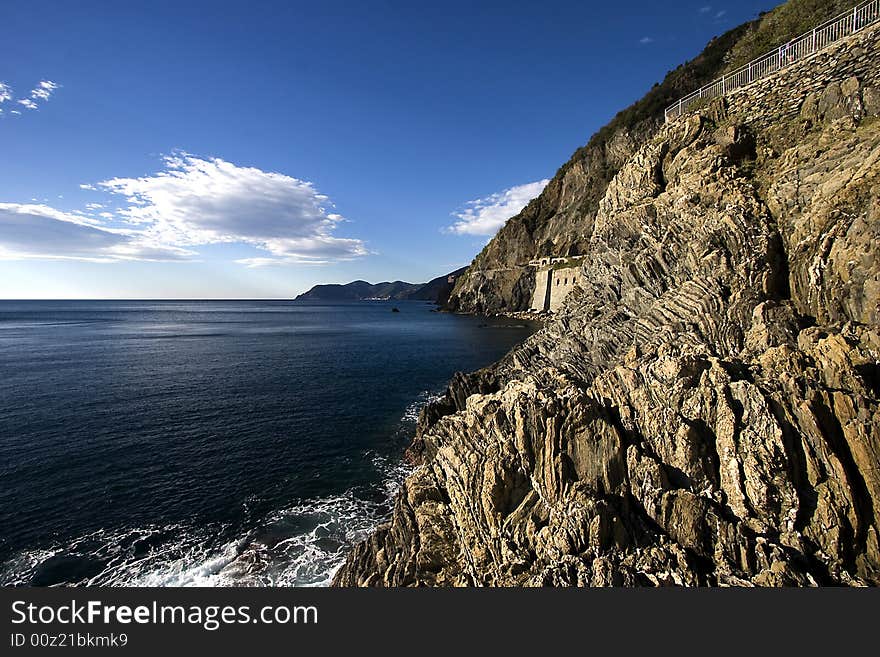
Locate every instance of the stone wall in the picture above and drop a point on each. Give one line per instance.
(552, 286)
(541, 295)
(804, 85)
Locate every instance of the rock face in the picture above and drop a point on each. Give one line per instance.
(704, 409)
(560, 221)
(436, 290)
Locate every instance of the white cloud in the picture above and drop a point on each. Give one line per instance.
(5, 92)
(43, 90)
(27, 103)
(41, 232)
(646, 40)
(486, 215)
(192, 202)
(197, 201)
(706, 9)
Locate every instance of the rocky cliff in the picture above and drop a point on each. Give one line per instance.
(705, 407)
(560, 221)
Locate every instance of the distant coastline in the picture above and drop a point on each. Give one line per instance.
(436, 290)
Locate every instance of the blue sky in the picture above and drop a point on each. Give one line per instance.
(253, 149)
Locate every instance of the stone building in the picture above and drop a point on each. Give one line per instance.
(554, 279)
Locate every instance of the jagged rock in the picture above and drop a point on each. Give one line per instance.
(839, 100)
(704, 409)
(737, 141)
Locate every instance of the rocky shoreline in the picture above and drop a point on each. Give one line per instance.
(705, 407)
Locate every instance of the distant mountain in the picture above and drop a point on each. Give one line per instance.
(359, 290)
(436, 290)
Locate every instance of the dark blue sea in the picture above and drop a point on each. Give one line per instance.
(172, 443)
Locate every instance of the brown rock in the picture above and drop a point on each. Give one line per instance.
(706, 409)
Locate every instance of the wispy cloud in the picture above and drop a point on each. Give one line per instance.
(485, 216)
(191, 202)
(254, 263)
(36, 231)
(646, 40)
(712, 13)
(39, 94)
(43, 90)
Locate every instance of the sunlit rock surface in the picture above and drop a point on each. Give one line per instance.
(703, 410)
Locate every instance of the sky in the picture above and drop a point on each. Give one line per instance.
(254, 149)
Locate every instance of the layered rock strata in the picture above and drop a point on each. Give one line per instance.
(703, 409)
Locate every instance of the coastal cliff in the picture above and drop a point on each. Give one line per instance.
(704, 407)
(559, 222)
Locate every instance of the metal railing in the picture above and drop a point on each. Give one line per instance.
(820, 37)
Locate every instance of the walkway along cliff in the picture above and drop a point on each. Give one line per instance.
(702, 408)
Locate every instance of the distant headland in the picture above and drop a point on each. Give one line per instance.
(437, 290)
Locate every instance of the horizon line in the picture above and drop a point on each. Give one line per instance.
(176, 299)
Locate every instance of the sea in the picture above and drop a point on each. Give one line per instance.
(212, 443)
